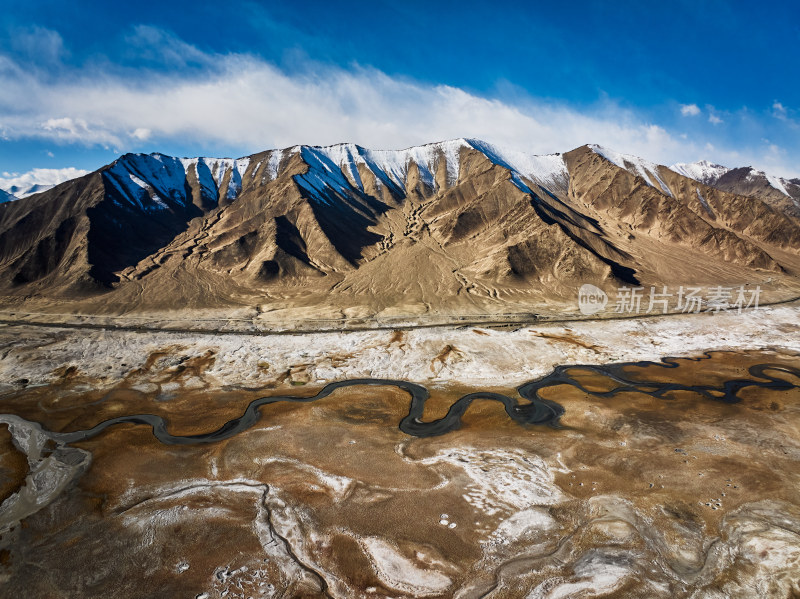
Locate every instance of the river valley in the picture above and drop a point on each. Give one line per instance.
(675, 478)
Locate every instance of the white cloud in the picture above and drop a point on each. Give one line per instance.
(690, 109)
(36, 180)
(245, 102)
(141, 133)
(68, 129)
(242, 101)
(714, 119)
(779, 110)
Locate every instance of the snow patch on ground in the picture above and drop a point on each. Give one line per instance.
(597, 574)
(494, 357)
(339, 486)
(274, 163)
(502, 481)
(527, 522)
(402, 574)
(704, 202)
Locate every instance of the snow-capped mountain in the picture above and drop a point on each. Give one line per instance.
(457, 223)
(163, 177)
(6, 197)
(638, 166)
(703, 171)
(23, 191)
(153, 181)
(391, 167)
(746, 181)
(782, 193)
(37, 180)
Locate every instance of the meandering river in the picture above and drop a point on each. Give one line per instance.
(533, 409)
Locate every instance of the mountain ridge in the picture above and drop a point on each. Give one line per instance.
(702, 170)
(748, 181)
(460, 225)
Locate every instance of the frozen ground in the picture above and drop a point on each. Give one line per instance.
(469, 356)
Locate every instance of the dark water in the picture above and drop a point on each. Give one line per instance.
(534, 410)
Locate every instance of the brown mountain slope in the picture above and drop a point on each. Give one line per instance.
(458, 227)
(629, 205)
(781, 194)
(751, 183)
(386, 249)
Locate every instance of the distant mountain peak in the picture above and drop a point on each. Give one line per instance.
(7, 197)
(734, 179)
(702, 170)
(37, 180)
(775, 182)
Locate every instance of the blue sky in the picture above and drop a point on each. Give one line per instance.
(83, 82)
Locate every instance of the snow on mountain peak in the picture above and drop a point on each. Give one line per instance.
(702, 171)
(643, 168)
(148, 180)
(709, 173)
(548, 170)
(775, 182)
(390, 167)
(6, 197)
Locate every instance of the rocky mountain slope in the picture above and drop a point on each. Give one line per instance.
(782, 193)
(454, 227)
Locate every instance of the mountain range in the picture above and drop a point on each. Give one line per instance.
(782, 193)
(456, 227)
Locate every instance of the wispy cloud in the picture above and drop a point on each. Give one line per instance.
(163, 47)
(238, 100)
(785, 115)
(245, 101)
(68, 129)
(38, 44)
(690, 109)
